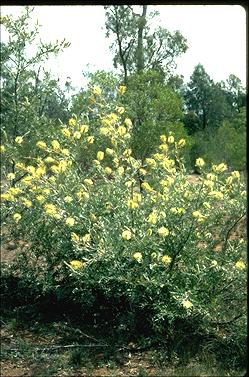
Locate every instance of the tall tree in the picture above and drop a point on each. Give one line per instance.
(136, 46)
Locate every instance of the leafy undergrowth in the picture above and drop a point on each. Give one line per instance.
(49, 337)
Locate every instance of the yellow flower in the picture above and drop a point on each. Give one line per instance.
(187, 304)
(121, 90)
(104, 131)
(19, 139)
(90, 139)
(11, 176)
(70, 221)
(93, 217)
(137, 197)
(50, 209)
(76, 264)
(142, 171)
(163, 232)
(27, 202)
(109, 151)
(15, 190)
(128, 123)
(138, 257)
(65, 151)
(229, 180)
(72, 122)
(66, 132)
(127, 152)
(114, 141)
(88, 181)
(151, 162)
(2, 149)
(196, 214)
(163, 138)
(163, 147)
(52, 179)
(216, 195)
(166, 259)
(211, 176)
(100, 155)
(96, 91)
(7, 196)
(40, 198)
(86, 238)
(62, 166)
(219, 168)
(171, 139)
(41, 170)
(108, 170)
(132, 204)
(240, 265)
(235, 174)
(120, 170)
(41, 145)
(158, 156)
(55, 169)
(46, 191)
(116, 162)
(77, 135)
(20, 165)
(17, 217)
(84, 128)
(181, 143)
(49, 160)
(55, 145)
(199, 162)
(82, 195)
(27, 180)
(126, 235)
(68, 199)
(121, 130)
(146, 186)
(75, 237)
(152, 219)
(120, 110)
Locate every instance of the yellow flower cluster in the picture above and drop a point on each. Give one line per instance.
(219, 168)
(76, 264)
(126, 235)
(138, 257)
(166, 259)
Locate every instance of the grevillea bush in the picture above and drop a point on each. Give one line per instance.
(142, 239)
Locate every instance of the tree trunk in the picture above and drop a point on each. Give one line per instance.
(140, 50)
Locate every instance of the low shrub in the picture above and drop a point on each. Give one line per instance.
(139, 242)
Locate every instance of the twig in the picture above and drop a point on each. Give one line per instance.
(69, 346)
(229, 230)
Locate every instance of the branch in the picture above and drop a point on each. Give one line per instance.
(229, 230)
(69, 346)
(228, 322)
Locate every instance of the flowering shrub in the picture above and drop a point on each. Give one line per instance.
(142, 235)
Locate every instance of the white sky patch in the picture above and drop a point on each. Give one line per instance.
(216, 36)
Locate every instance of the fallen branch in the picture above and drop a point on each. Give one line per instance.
(55, 348)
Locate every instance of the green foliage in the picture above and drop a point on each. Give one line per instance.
(227, 144)
(32, 101)
(136, 47)
(154, 109)
(148, 256)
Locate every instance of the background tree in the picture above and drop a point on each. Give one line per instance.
(31, 97)
(136, 46)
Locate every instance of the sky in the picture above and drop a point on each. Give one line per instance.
(216, 37)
